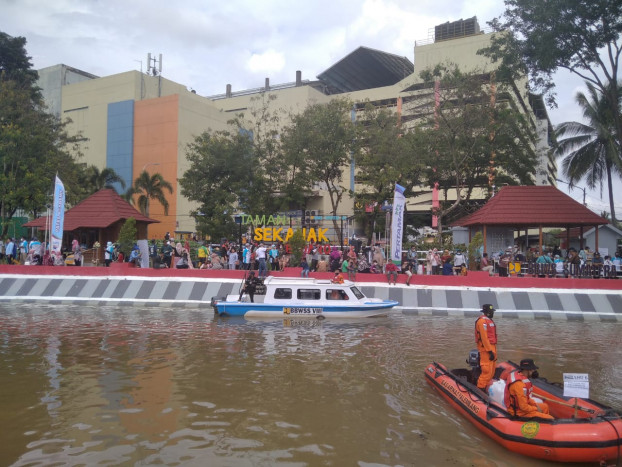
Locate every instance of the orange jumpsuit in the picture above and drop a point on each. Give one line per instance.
(486, 340)
(520, 402)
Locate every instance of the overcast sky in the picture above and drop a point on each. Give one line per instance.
(207, 44)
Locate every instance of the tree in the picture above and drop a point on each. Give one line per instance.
(542, 37)
(34, 146)
(220, 180)
(127, 236)
(322, 142)
(240, 170)
(388, 155)
(15, 64)
(106, 178)
(591, 150)
(149, 187)
(296, 243)
(473, 136)
(274, 178)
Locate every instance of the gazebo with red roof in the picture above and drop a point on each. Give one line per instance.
(525, 207)
(99, 218)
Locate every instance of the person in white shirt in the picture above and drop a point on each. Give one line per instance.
(459, 260)
(260, 254)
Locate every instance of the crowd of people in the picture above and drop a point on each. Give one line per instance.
(22, 251)
(316, 257)
(563, 263)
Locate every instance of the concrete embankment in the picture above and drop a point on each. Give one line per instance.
(523, 298)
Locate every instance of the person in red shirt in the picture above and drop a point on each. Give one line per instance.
(391, 270)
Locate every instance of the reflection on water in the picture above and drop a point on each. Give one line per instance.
(96, 385)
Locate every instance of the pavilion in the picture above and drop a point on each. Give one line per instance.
(98, 218)
(529, 207)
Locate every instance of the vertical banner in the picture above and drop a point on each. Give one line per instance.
(58, 217)
(397, 224)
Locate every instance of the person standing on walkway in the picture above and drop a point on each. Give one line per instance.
(261, 258)
(108, 254)
(486, 340)
(10, 251)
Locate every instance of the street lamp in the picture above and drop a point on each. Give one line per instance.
(573, 186)
(238, 220)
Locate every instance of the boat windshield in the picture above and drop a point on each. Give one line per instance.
(357, 293)
(336, 294)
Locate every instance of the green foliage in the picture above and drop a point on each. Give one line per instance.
(239, 170)
(581, 36)
(127, 236)
(320, 143)
(34, 146)
(220, 180)
(473, 137)
(149, 187)
(15, 65)
(296, 243)
(95, 179)
(590, 150)
(388, 155)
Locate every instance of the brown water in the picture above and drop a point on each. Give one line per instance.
(152, 386)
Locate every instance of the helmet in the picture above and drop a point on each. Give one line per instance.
(488, 310)
(527, 364)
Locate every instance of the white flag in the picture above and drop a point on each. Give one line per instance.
(397, 224)
(58, 217)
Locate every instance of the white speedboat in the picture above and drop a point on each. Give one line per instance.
(303, 297)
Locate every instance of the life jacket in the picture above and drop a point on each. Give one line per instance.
(511, 378)
(491, 330)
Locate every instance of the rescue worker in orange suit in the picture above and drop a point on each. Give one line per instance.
(486, 340)
(519, 390)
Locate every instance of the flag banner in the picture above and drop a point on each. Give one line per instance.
(58, 217)
(397, 224)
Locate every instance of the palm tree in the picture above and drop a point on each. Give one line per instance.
(591, 149)
(150, 187)
(103, 179)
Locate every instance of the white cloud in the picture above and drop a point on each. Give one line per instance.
(268, 62)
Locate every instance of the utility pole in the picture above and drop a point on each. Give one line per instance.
(571, 186)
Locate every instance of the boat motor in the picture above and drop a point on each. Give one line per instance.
(473, 359)
(473, 362)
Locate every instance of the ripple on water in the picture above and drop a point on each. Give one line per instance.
(110, 385)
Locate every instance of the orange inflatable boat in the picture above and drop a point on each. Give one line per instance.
(583, 430)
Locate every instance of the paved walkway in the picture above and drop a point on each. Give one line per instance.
(442, 300)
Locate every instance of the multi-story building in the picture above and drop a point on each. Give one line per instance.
(138, 121)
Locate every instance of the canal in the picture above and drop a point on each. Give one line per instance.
(174, 386)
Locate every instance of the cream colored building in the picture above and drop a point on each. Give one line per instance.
(135, 121)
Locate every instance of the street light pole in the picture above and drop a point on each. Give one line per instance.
(573, 186)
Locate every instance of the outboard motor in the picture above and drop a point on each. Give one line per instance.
(473, 362)
(473, 358)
